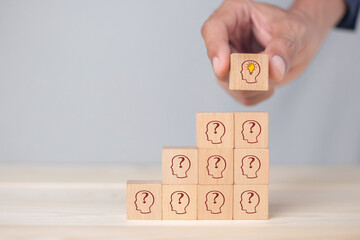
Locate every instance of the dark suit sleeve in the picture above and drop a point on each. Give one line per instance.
(349, 19)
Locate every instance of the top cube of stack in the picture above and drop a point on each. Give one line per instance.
(215, 130)
(251, 130)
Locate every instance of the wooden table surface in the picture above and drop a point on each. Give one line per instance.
(88, 202)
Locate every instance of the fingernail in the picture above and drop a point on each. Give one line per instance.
(279, 64)
(216, 64)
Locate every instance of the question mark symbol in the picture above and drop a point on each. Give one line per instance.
(181, 196)
(217, 195)
(146, 195)
(183, 159)
(217, 125)
(251, 128)
(252, 194)
(216, 163)
(253, 159)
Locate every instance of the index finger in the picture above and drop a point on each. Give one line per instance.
(215, 32)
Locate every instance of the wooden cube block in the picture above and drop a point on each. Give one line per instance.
(251, 202)
(179, 202)
(143, 200)
(251, 130)
(251, 166)
(249, 72)
(216, 166)
(215, 130)
(215, 202)
(179, 165)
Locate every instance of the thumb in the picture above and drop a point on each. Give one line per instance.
(282, 52)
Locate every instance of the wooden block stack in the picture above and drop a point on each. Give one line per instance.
(215, 142)
(251, 165)
(180, 179)
(225, 177)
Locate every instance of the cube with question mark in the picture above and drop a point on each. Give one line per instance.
(251, 202)
(179, 202)
(216, 166)
(251, 166)
(179, 165)
(215, 202)
(143, 200)
(215, 130)
(251, 130)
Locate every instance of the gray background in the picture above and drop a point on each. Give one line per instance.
(113, 81)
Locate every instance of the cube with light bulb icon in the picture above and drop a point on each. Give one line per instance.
(249, 72)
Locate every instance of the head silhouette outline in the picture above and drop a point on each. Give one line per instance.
(179, 201)
(250, 69)
(250, 165)
(180, 165)
(249, 201)
(215, 130)
(144, 200)
(251, 130)
(214, 201)
(216, 165)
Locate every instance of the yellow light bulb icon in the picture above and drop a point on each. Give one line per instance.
(251, 67)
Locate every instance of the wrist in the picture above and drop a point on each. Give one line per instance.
(324, 14)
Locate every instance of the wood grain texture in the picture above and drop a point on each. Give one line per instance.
(179, 165)
(251, 166)
(215, 202)
(251, 130)
(249, 72)
(251, 202)
(77, 201)
(215, 130)
(143, 200)
(216, 166)
(179, 202)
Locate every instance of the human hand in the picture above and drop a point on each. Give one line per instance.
(290, 37)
